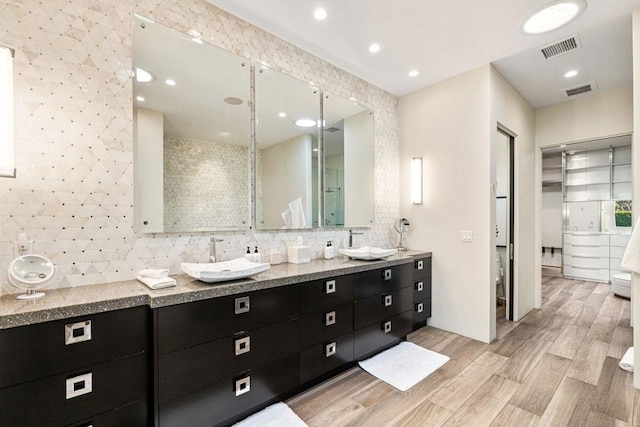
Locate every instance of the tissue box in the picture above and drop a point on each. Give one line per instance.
(298, 254)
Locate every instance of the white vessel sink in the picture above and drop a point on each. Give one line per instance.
(368, 253)
(222, 271)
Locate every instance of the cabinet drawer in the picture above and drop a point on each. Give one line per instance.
(421, 289)
(421, 268)
(132, 415)
(421, 310)
(322, 294)
(321, 326)
(76, 395)
(378, 307)
(219, 405)
(586, 239)
(621, 240)
(595, 274)
(37, 351)
(185, 325)
(373, 338)
(594, 251)
(325, 357)
(585, 262)
(183, 371)
(375, 282)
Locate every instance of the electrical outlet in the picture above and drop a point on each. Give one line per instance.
(466, 236)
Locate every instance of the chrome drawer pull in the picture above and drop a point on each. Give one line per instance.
(242, 385)
(330, 318)
(243, 345)
(386, 326)
(242, 305)
(387, 274)
(330, 287)
(330, 349)
(79, 385)
(420, 286)
(388, 300)
(420, 265)
(77, 332)
(420, 307)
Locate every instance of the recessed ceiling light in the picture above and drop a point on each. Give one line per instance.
(320, 14)
(143, 76)
(305, 123)
(232, 100)
(571, 73)
(413, 73)
(140, 98)
(315, 149)
(283, 115)
(374, 48)
(170, 82)
(553, 16)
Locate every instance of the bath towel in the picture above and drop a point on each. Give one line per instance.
(154, 274)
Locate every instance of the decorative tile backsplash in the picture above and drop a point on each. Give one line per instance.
(73, 193)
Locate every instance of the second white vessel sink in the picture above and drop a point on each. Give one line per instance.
(368, 253)
(211, 272)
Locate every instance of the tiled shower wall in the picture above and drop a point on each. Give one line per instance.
(73, 193)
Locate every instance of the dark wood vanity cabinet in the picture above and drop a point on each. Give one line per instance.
(326, 326)
(223, 358)
(421, 291)
(90, 370)
(382, 309)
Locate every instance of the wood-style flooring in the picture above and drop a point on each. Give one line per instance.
(558, 366)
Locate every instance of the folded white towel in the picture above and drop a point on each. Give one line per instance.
(153, 283)
(154, 274)
(631, 258)
(626, 362)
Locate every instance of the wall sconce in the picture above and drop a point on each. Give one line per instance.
(416, 181)
(7, 166)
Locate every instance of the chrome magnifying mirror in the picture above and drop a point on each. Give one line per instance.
(31, 272)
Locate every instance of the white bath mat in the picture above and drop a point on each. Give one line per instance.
(276, 415)
(404, 365)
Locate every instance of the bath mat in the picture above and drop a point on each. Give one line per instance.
(404, 365)
(276, 415)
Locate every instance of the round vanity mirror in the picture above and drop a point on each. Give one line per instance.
(31, 272)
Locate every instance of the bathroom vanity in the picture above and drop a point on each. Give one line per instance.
(201, 355)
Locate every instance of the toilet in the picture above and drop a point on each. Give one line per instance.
(621, 284)
(499, 277)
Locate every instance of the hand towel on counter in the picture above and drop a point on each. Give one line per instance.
(631, 258)
(154, 283)
(626, 362)
(154, 274)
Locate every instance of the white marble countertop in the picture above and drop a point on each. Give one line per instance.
(79, 301)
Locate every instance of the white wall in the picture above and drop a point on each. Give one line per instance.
(358, 176)
(448, 125)
(592, 117)
(635, 279)
(281, 162)
(513, 113)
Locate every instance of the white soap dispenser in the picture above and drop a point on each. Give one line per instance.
(328, 251)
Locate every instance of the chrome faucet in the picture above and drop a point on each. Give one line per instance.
(351, 234)
(213, 249)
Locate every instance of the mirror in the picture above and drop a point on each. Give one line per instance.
(31, 272)
(287, 116)
(191, 105)
(349, 161)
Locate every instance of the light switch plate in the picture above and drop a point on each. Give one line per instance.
(466, 236)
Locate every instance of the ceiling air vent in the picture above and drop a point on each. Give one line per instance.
(561, 47)
(332, 129)
(577, 90)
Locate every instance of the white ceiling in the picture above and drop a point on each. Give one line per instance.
(442, 39)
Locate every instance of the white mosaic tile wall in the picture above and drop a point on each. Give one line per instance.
(206, 185)
(73, 193)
